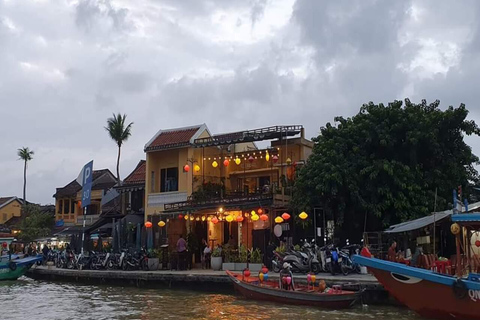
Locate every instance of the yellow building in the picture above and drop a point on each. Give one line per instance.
(229, 176)
(68, 210)
(10, 207)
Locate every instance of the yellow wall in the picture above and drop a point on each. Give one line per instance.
(13, 209)
(71, 217)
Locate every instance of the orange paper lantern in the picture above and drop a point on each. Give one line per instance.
(148, 224)
(285, 216)
(215, 220)
(226, 162)
(239, 219)
(260, 210)
(186, 168)
(264, 217)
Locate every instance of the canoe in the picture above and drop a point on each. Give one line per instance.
(13, 269)
(252, 288)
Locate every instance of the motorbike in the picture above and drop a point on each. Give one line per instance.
(84, 262)
(277, 261)
(303, 261)
(347, 266)
(332, 259)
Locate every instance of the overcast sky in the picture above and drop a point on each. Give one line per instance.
(65, 66)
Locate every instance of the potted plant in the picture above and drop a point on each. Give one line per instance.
(255, 264)
(154, 257)
(229, 263)
(216, 259)
(242, 259)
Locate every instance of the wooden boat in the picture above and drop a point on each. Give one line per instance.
(430, 294)
(11, 268)
(252, 288)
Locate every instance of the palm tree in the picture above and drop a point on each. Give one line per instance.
(119, 133)
(26, 155)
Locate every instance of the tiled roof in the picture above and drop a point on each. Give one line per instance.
(138, 175)
(6, 200)
(73, 187)
(172, 138)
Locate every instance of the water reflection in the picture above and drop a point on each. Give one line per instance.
(28, 299)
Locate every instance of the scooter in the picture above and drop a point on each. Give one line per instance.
(303, 262)
(347, 266)
(332, 259)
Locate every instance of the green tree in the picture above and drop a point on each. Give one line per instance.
(26, 155)
(385, 163)
(119, 133)
(36, 224)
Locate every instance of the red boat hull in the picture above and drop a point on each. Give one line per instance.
(251, 290)
(429, 299)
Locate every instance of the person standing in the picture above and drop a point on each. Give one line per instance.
(181, 250)
(392, 252)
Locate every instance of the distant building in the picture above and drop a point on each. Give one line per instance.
(10, 208)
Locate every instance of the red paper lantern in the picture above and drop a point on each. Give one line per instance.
(215, 220)
(264, 269)
(180, 216)
(239, 218)
(246, 273)
(226, 162)
(4, 245)
(477, 243)
(275, 159)
(285, 216)
(264, 217)
(186, 168)
(251, 158)
(148, 224)
(260, 210)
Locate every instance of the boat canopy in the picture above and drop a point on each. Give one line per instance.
(466, 217)
(419, 223)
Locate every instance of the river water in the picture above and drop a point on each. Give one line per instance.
(29, 299)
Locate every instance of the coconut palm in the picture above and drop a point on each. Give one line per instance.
(26, 155)
(119, 133)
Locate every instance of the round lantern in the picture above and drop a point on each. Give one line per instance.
(303, 215)
(226, 162)
(267, 156)
(161, 224)
(313, 278)
(186, 217)
(246, 273)
(4, 245)
(264, 269)
(265, 276)
(239, 219)
(260, 276)
(192, 218)
(477, 243)
(214, 164)
(253, 213)
(285, 216)
(264, 217)
(180, 216)
(260, 210)
(229, 218)
(209, 218)
(275, 159)
(289, 161)
(203, 218)
(278, 219)
(186, 168)
(255, 217)
(238, 161)
(197, 219)
(148, 224)
(196, 168)
(215, 220)
(250, 159)
(309, 278)
(455, 228)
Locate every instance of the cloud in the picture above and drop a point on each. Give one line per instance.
(231, 64)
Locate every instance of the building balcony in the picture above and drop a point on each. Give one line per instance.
(160, 199)
(89, 219)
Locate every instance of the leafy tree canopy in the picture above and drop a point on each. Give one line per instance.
(386, 162)
(36, 224)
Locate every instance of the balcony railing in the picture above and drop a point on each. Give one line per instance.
(89, 219)
(160, 199)
(257, 199)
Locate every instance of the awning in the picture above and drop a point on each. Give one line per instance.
(419, 223)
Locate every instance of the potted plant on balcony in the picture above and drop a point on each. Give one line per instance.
(242, 259)
(154, 257)
(230, 258)
(216, 259)
(255, 264)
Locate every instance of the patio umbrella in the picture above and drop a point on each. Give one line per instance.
(114, 237)
(138, 238)
(99, 243)
(149, 239)
(144, 237)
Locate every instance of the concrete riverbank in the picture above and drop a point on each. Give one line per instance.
(205, 280)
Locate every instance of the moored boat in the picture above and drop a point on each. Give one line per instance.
(12, 269)
(431, 294)
(252, 288)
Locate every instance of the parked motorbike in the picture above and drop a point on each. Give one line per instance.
(303, 261)
(277, 261)
(347, 266)
(332, 259)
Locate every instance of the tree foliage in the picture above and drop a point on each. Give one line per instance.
(36, 224)
(118, 132)
(386, 162)
(26, 155)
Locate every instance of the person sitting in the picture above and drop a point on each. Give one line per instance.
(284, 273)
(392, 253)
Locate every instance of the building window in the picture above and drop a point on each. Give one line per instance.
(152, 182)
(72, 204)
(92, 209)
(60, 206)
(66, 207)
(169, 180)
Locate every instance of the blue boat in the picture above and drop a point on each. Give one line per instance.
(13, 267)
